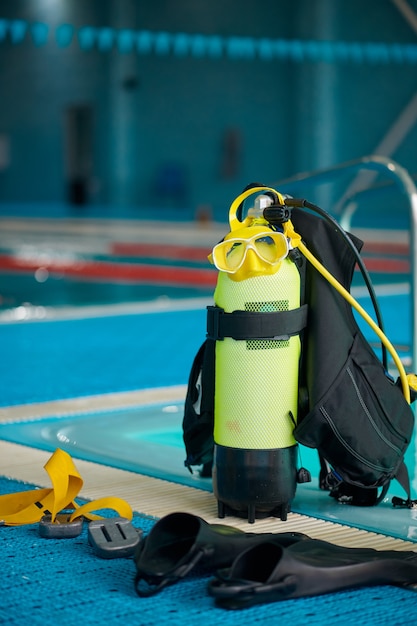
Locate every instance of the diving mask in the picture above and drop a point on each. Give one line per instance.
(270, 246)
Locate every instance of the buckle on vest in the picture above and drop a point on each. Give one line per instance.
(213, 323)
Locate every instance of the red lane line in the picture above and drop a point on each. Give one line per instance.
(379, 247)
(139, 272)
(388, 266)
(160, 251)
(195, 253)
(116, 271)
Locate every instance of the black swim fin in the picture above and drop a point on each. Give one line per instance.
(269, 572)
(180, 541)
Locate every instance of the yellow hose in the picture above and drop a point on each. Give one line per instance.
(335, 283)
(296, 241)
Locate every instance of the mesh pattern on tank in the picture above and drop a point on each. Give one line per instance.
(267, 307)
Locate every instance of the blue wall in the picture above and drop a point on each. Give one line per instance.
(223, 121)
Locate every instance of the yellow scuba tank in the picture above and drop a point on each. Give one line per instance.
(256, 323)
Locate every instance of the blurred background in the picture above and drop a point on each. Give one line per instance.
(140, 105)
(138, 110)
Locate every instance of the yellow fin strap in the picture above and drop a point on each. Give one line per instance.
(28, 507)
(109, 502)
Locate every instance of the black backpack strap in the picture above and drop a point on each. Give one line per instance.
(198, 420)
(404, 480)
(240, 325)
(363, 496)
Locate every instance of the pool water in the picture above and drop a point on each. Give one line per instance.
(58, 291)
(148, 440)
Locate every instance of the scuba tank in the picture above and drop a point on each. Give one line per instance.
(256, 324)
(242, 415)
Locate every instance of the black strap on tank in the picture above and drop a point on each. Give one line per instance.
(240, 325)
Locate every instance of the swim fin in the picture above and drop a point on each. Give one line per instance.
(269, 572)
(180, 541)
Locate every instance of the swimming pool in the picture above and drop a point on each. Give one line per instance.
(26, 290)
(82, 262)
(148, 440)
(101, 352)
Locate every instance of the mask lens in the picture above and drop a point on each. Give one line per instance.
(228, 255)
(272, 248)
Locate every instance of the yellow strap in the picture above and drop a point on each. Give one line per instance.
(28, 507)
(233, 221)
(109, 502)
